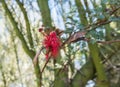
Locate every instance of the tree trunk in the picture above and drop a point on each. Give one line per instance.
(99, 68)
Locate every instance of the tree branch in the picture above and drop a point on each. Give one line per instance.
(101, 76)
(18, 33)
(85, 74)
(29, 35)
(89, 28)
(45, 13)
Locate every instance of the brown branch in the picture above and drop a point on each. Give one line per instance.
(66, 41)
(112, 12)
(87, 28)
(45, 64)
(77, 35)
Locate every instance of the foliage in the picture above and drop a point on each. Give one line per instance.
(88, 31)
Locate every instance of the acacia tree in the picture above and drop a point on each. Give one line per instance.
(92, 26)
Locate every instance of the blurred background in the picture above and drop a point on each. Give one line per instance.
(20, 40)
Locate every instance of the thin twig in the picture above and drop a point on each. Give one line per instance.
(112, 12)
(35, 59)
(45, 64)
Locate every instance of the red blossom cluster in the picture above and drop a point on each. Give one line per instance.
(52, 44)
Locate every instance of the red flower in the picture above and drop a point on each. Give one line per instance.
(52, 45)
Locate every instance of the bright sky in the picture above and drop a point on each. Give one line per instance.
(2, 26)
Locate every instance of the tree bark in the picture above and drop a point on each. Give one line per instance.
(28, 51)
(29, 34)
(45, 13)
(82, 13)
(85, 74)
(101, 75)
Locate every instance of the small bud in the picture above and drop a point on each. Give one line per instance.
(40, 29)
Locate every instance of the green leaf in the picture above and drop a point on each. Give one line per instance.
(98, 10)
(92, 41)
(68, 30)
(115, 19)
(104, 1)
(101, 17)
